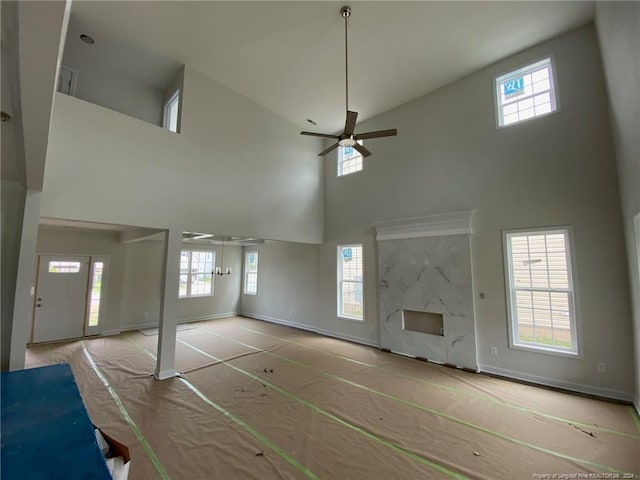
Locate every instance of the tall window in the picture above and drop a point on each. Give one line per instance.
(350, 285)
(541, 294)
(349, 160)
(251, 273)
(171, 110)
(196, 273)
(526, 93)
(95, 293)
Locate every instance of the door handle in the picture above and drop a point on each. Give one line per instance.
(39, 305)
(39, 299)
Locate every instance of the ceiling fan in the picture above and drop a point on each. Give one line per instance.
(349, 138)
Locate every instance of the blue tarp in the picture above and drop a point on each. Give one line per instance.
(46, 431)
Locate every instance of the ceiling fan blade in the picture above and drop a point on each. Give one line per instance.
(332, 147)
(350, 124)
(363, 151)
(323, 135)
(380, 133)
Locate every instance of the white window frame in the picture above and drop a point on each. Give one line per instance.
(73, 81)
(97, 329)
(340, 281)
(189, 274)
(576, 339)
(174, 98)
(246, 271)
(342, 160)
(499, 81)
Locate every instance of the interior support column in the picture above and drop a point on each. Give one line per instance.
(165, 365)
(25, 282)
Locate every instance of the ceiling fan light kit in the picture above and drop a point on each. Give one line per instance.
(349, 138)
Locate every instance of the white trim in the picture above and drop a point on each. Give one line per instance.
(453, 223)
(175, 97)
(576, 330)
(165, 374)
(142, 326)
(555, 94)
(73, 83)
(553, 382)
(191, 251)
(340, 280)
(102, 308)
(311, 328)
(245, 272)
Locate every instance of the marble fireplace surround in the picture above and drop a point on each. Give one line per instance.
(424, 265)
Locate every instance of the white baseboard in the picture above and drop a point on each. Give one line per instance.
(165, 374)
(553, 382)
(142, 326)
(312, 328)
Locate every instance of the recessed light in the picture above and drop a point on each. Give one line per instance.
(87, 39)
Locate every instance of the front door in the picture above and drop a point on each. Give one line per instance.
(61, 297)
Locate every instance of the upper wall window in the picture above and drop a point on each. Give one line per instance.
(541, 290)
(171, 110)
(349, 160)
(526, 93)
(196, 273)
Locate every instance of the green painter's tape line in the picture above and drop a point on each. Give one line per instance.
(453, 389)
(143, 441)
(421, 407)
(253, 432)
(634, 414)
(237, 420)
(317, 409)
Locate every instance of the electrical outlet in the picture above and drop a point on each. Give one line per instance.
(426, 262)
(602, 367)
(413, 261)
(494, 351)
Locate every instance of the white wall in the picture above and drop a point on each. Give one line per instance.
(13, 203)
(141, 291)
(557, 170)
(108, 88)
(287, 284)
(618, 25)
(134, 277)
(235, 168)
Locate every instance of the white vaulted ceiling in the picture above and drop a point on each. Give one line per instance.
(289, 56)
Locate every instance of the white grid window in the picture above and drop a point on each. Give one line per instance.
(171, 110)
(526, 93)
(251, 273)
(349, 160)
(350, 285)
(64, 267)
(541, 295)
(196, 273)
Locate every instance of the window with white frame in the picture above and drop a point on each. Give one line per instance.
(541, 290)
(251, 273)
(196, 273)
(350, 283)
(526, 93)
(349, 160)
(171, 110)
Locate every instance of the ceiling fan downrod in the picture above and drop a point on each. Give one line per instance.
(346, 13)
